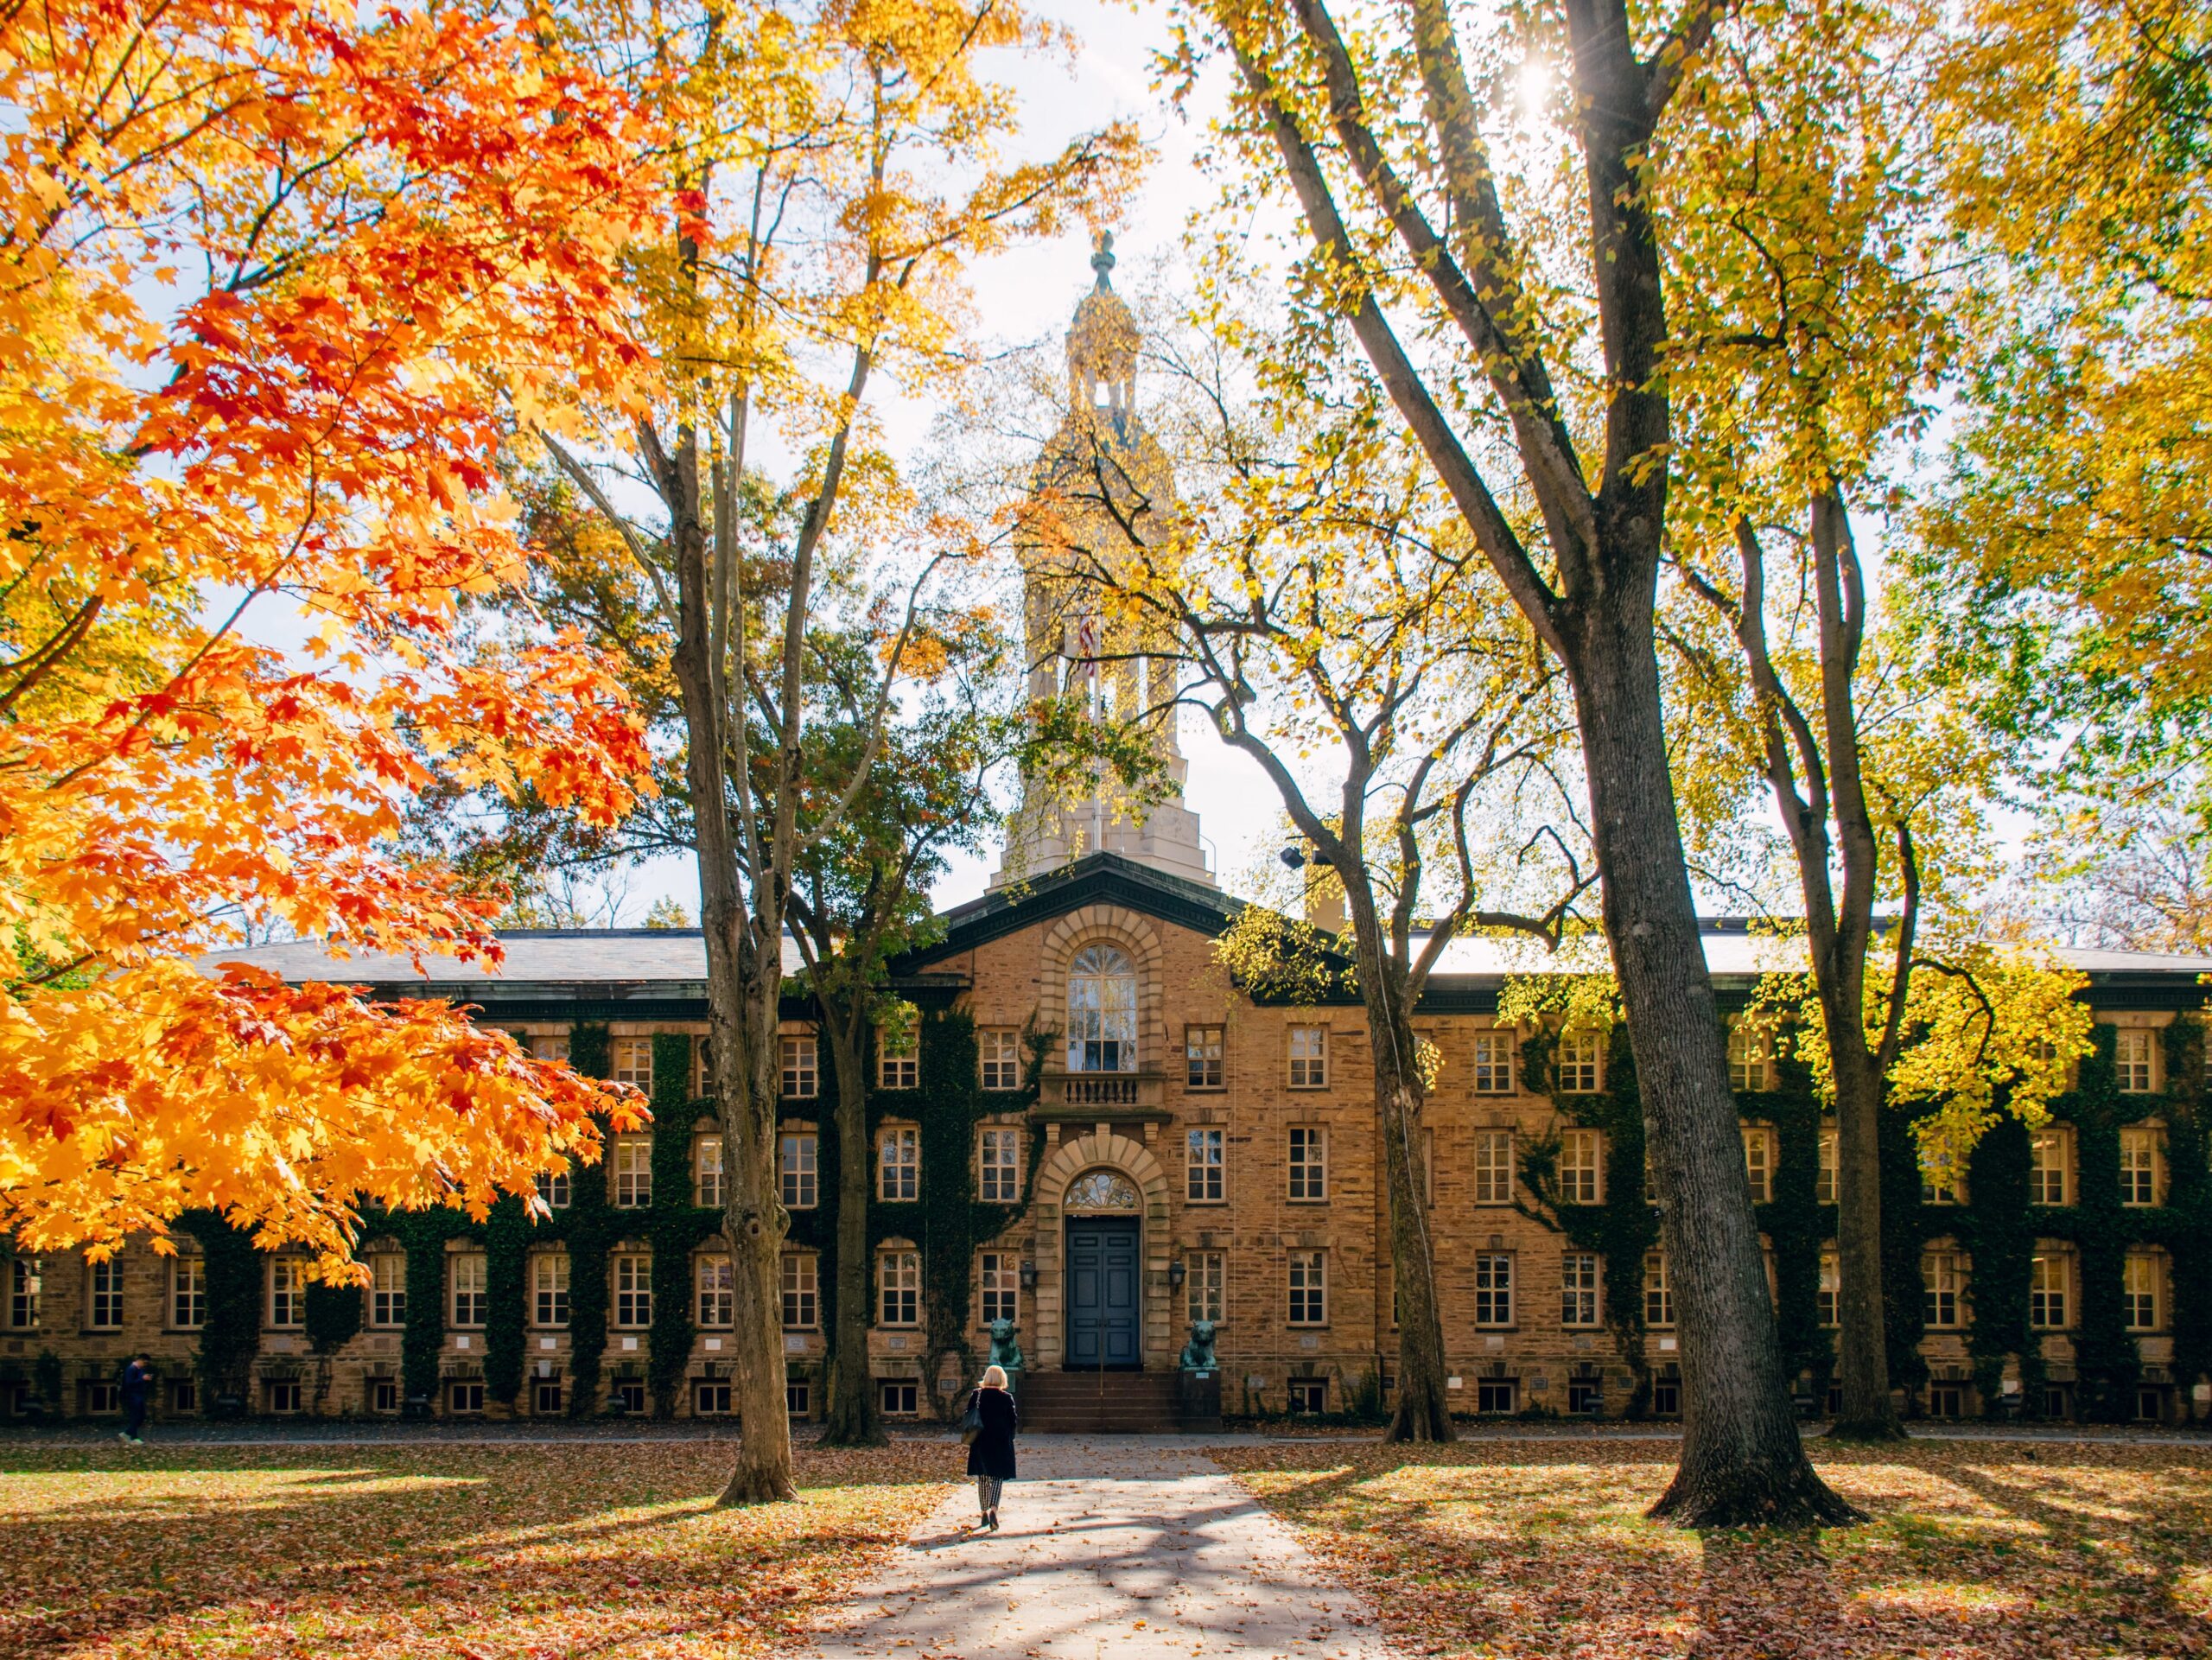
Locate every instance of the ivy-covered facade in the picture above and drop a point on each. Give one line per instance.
(1097, 1134)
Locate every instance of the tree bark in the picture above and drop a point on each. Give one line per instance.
(1742, 1462)
(852, 1420)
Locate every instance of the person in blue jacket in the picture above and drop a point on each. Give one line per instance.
(990, 1456)
(137, 1378)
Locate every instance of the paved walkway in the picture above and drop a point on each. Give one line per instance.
(1112, 1548)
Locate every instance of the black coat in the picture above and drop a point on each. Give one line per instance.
(991, 1453)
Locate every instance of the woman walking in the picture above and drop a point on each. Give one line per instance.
(990, 1456)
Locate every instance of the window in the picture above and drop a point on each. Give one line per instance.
(1585, 1394)
(1578, 1289)
(1939, 1184)
(284, 1394)
(1493, 1063)
(1824, 1182)
(1203, 1170)
(465, 1397)
(1667, 1395)
(187, 1293)
(633, 1173)
(103, 1295)
(629, 1394)
(1493, 1166)
(287, 1284)
(1202, 1049)
(24, 1292)
(1206, 1285)
(2132, 1059)
(1308, 1396)
(104, 1398)
(999, 1274)
(1496, 1394)
(2140, 1170)
(1494, 1289)
(1582, 1167)
(2049, 1177)
(799, 1399)
(802, 1065)
(702, 1067)
(387, 1289)
(898, 1057)
(707, 1188)
(549, 1398)
(384, 1395)
(1309, 1288)
(471, 1300)
(2048, 1284)
(549, 1045)
(1750, 1057)
(802, 1288)
(1939, 1277)
(711, 1399)
(1309, 1057)
(1309, 1162)
(1824, 1303)
(554, 1191)
(633, 1062)
(1947, 1399)
(899, 1284)
(999, 1058)
(633, 1290)
(1580, 1071)
(716, 1285)
(549, 1278)
(1102, 1011)
(998, 1159)
(1758, 1162)
(2139, 1287)
(898, 1397)
(796, 1174)
(899, 1164)
(1658, 1290)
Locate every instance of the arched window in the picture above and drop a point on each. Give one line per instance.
(1102, 1011)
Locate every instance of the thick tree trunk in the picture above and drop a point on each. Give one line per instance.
(852, 1420)
(1742, 1462)
(1423, 1411)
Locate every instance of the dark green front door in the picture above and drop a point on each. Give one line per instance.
(1102, 1286)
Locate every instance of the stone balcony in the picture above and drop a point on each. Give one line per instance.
(1087, 1096)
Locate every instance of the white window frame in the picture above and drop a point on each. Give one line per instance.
(998, 1165)
(550, 1272)
(998, 1281)
(1582, 1167)
(1493, 1071)
(899, 1164)
(798, 1056)
(2142, 1163)
(708, 1185)
(631, 1188)
(1308, 1164)
(632, 1304)
(1493, 1289)
(998, 1059)
(899, 1287)
(387, 1290)
(714, 1290)
(1828, 1174)
(1750, 1056)
(630, 1059)
(1944, 1307)
(2051, 1166)
(1307, 1056)
(556, 1189)
(469, 1301)
(1205, 1288)
(1658, 1291)
(1102, 1003)
(1758, 1162)
(798, 1282)
(1495, 1165)
(899, 1068)
(1827, 1297)
(1205, 1058)
(2143, 1292)
(26, 1290)
(188, 1292)
(1206, 1165)
(1581, 1286)
(284, 1293)
(1581, 1065)
(103, 1295)
(798, 1169)
(1307, 1274)
(2134, 1058)
(2050, 1288)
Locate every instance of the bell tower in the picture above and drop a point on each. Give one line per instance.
(1100, 481)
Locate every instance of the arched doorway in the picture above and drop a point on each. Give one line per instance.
(1104, 1269)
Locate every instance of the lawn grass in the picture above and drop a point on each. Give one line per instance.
(2058, 1551)
(602, 1548)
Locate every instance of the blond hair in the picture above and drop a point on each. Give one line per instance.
(994, 1377)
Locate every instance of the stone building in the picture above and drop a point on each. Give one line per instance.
(1095, 1134)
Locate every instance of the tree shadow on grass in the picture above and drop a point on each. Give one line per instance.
(493, 1549)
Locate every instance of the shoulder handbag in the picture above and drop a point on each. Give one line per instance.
(971, 1421)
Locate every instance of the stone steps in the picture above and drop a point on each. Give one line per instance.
(1110, 1403)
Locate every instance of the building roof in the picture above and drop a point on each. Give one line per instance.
(645, 972)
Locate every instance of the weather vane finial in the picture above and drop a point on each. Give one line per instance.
(1101, 257)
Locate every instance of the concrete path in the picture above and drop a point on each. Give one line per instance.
(1109, 1548)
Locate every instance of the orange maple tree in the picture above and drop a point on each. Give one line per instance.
(275, 279)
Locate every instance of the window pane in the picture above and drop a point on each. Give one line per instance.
(1102, 1011)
